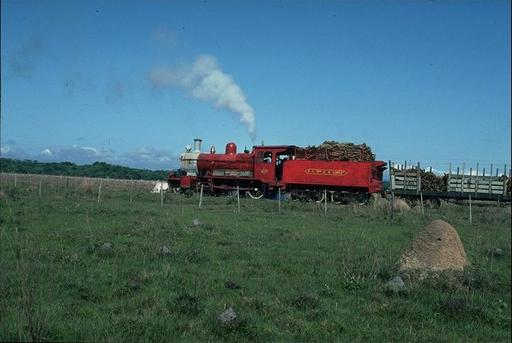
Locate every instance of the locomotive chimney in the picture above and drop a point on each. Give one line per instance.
(197, 145)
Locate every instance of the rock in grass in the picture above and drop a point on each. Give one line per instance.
(230, 284)
(496, 253)
(106, 248)
(196, 222)
(165, 251)
(134, 285)
(229, 319)
(395, 286)
(306, 301)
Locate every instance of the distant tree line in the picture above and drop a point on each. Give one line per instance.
(97, 169)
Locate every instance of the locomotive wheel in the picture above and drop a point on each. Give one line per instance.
(318, 196)
(337, 197)
(256, 194)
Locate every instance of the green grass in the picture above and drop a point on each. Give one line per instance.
(303, 275)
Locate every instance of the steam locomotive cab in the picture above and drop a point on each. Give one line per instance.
(269, 162)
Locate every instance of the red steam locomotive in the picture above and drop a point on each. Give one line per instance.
(266, 169)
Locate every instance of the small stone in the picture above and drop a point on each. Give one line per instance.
(165, 251)
(395, 286)
(106, 248)
(134, 285)
(497, 253)
(229, 319)
(196, 222)
(230, 284)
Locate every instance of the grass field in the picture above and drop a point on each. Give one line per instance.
(303, 275)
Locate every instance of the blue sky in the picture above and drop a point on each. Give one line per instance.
(123, 81)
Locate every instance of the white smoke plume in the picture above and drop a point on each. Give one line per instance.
(204, 80)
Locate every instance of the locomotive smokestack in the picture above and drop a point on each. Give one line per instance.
(197, 145)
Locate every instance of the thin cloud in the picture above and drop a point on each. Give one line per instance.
(22, 62)
(115, 91)
(165, 36)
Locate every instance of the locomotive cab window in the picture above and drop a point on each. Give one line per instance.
(264, 157)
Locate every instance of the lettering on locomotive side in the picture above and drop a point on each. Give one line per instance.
(325, 172)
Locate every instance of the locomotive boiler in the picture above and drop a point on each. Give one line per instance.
(266, 169)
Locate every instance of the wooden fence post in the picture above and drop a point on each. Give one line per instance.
(181, 202)
(470, 212)
(279, 199)
(99, 192)
(238, 197)
(131, 190)
(421, 202)
(201, 197)
(161, 197)
(40, 181)
(325, 200)
(15, 180)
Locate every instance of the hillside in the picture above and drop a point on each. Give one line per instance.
(97, 169)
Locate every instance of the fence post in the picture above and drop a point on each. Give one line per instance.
(40, 181)
(131, 190)
(325, 200)
(15, 180)
(201, 196)
(279, 199)
(99, 192)
(181, 202)
(470, 212)
(238, 197)
(421, 202)
(161, 197)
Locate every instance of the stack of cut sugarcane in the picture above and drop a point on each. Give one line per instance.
(430, 182)
(331, 150)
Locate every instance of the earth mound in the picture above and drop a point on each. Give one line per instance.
(436, 248)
